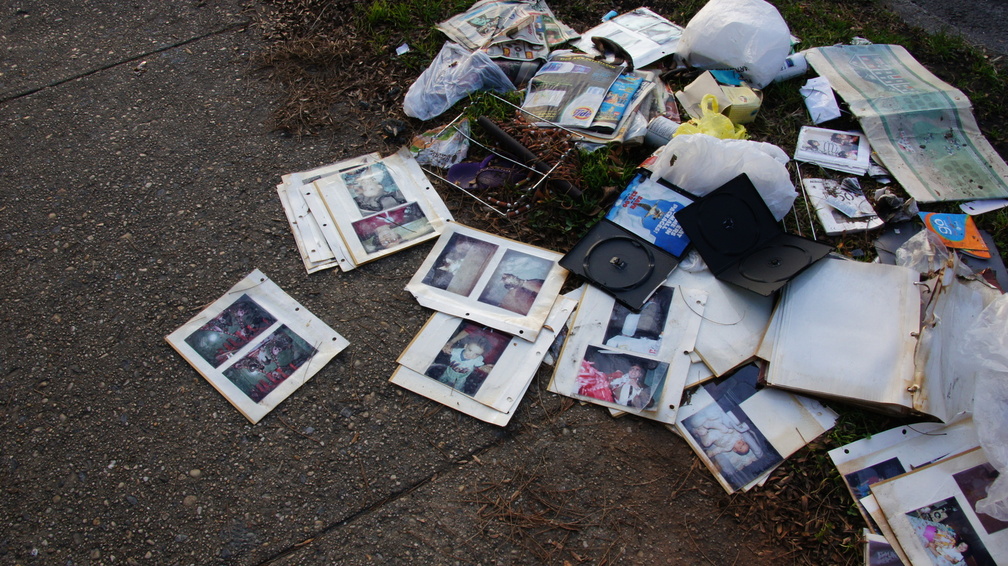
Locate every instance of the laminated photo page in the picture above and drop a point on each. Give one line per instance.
(632, 362)
(742, 432)
(494, 281)
(475, 369)
(256, 345)
(383, 207)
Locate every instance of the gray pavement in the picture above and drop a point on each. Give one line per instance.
(138, 184)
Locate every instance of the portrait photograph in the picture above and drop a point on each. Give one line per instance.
(465, 361)
(392, 228)
(372, 188)
(732, 444)
(622, 379)
(230, 331)
(642, 331)
(516, 282)
(460, 264)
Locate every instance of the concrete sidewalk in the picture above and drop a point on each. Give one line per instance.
(139, 185)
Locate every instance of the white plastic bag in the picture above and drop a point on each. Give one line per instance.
(749, 36)
(454, 74)
(700, 163)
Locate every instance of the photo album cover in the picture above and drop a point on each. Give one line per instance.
(256, 345)
(501, 283)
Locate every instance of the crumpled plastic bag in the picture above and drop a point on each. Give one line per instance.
(712, 122)
(748, 36)
(985, 350)
(454, 74)
(701, 163)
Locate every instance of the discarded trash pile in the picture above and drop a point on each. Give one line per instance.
(697, 309)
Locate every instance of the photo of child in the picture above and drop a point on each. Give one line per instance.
(373, 188)
(947, 535)
(465, 361)
(620, 378)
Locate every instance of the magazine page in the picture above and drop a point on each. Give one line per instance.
(921, 128)
(453, 358)
(632, 362)
(495, 281)
(644, 35)
(833, 149)
(897, 451)
(825, 309)
(383, 207)
(932, 513)
(647, 208)
(828, 196)
(742, 433)
(256, 345)
(569, 89)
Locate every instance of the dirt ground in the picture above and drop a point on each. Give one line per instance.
(142, 157)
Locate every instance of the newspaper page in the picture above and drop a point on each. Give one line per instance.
(642, 34)
(569, 89)
(921, 128)
(489, 19)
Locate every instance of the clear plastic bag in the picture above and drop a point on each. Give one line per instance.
(454, 74)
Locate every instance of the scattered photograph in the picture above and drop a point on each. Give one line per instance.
(640, 332)
(391, 228)
(258, 349)
(275, 359)
(516, 282)
(230, 331)
(947, 535)
(460, 264)
(468, 357)
(732, 444)
(623, 379)
(974, 483)
(373, 189)
(860, 481)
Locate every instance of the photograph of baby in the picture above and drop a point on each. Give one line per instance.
(516, 282)
(640, 332)
(460, 264)
(466, 360)
(272, 362)
(620, 378)
(947, 535)
(373, 188)
(223, 335)
(388, 229)
(731, 441)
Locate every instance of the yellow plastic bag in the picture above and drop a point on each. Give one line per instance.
(712, 123)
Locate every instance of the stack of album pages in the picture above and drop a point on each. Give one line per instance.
(361, 209)
(692, 343)
(918, 488)
(256, 345)
(499, 310)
